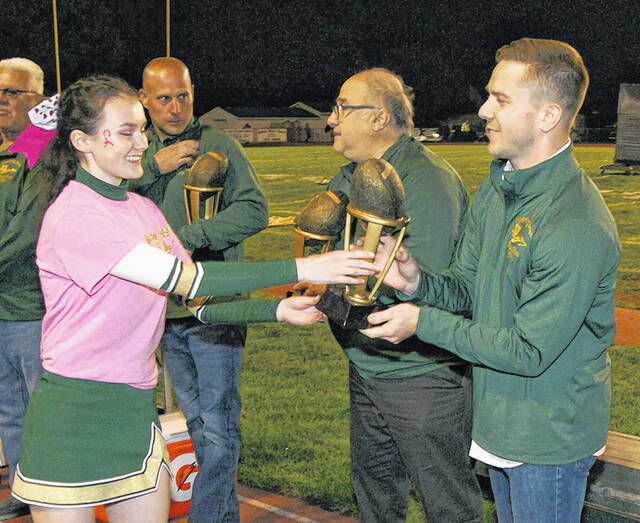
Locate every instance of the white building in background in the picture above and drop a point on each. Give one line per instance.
(299, 123)
(320, 109)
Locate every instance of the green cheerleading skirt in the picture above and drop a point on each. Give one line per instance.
(87, 443)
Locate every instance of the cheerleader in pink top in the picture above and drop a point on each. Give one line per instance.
(107, 259)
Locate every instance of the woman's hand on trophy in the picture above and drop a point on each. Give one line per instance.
(394, 324)
(350, 267)
(404, 274)
(299, 310)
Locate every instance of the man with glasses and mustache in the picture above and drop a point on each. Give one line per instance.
(21, 303)
(410, 403)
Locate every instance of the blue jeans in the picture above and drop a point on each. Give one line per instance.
(413, 430)
(20, 368)
(204, 363)
(541, 493)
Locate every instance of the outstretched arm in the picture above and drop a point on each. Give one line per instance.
(297, 310)
(155, 268)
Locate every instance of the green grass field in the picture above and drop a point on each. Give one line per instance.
(294, 382)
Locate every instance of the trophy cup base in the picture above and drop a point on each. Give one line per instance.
(343, 313)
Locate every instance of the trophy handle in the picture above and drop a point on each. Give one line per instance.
(387, 265)
(187, 207)
(192, 201)
(194, 204)
(299, 248)
(301, 237)
(358, 294)
(211, 205)
(328, 246)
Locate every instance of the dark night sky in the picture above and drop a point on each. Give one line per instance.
(278, 52)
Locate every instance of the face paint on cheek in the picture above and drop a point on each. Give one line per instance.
(106, 134)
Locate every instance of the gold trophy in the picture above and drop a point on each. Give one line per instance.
(377, 205)
(320, 223)
(204, 185)
(317, 229)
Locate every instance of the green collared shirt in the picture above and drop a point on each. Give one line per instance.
(113, 192)
(436, 201)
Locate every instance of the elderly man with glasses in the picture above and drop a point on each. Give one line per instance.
(21, 88)
(21, 303)
(410, 403)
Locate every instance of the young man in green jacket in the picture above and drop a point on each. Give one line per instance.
(204, 360)
(536, 270)
(410, 404)
(21, 303)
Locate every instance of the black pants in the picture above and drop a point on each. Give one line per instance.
(414, 430)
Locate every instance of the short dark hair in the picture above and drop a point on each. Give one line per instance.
(555, 68)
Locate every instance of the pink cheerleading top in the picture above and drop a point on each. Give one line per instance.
(98, 326)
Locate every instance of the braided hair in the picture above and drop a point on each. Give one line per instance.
(81, 107)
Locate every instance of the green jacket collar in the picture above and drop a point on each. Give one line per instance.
(192, 131)
(536, 179)
(391, 151)
(105, 189)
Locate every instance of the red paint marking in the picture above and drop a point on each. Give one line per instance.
(107, 135)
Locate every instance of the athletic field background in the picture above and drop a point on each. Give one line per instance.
(295, 414)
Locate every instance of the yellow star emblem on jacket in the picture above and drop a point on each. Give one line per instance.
(520, 235)
(8, 169)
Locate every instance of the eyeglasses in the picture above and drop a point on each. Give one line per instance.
(338, 109)
(13, 93)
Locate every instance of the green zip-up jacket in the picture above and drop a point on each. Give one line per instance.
(436, 201)
(537, 269)
(243, 207)
(21, 212)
